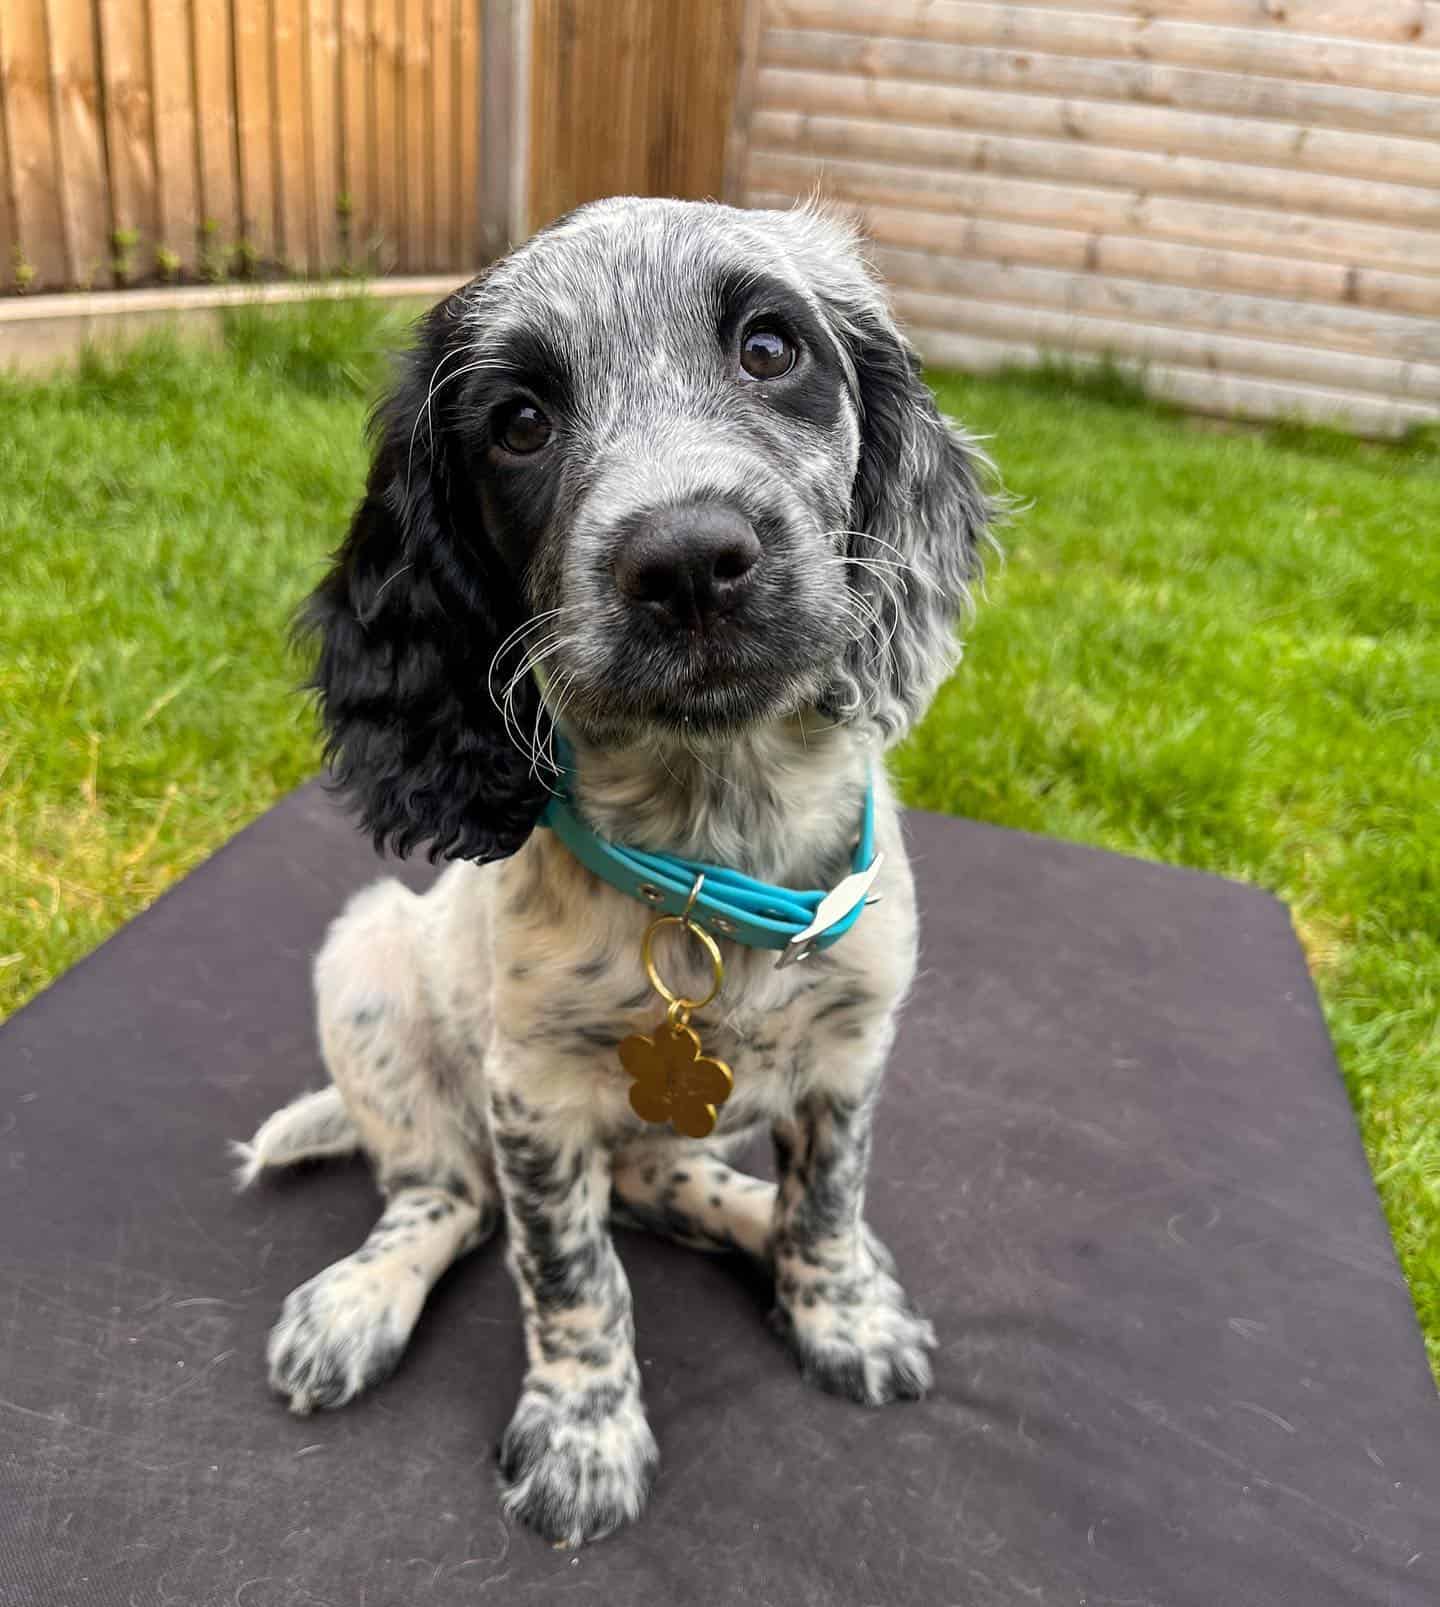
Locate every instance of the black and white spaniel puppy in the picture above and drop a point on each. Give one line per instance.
(665, 479)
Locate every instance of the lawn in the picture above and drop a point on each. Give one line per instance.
(1216, 648)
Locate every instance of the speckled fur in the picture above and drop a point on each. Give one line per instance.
(470, 1034)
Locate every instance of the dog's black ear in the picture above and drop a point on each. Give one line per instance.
(410, 617)
(918, 519)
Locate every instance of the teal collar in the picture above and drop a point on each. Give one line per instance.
(725, 902)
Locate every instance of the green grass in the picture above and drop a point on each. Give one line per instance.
(160, 515)
(1213, 648)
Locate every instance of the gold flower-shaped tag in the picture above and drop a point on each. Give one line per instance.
(674, 1082)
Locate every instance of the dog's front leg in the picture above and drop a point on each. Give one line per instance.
(578, 1457)
(838, 1303)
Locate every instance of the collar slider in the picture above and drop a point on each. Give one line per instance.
(834, 907)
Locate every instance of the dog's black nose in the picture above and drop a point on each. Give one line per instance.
(691, 563)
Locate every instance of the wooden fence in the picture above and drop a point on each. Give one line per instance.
(183, 139)
(193, 138)
(628, 97)
(1241, 195)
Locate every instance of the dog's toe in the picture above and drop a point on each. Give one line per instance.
(339, 1334)
(574, 1474)
(881, 1358)
(857, 1335)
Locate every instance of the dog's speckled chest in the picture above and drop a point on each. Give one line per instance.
(542, 946)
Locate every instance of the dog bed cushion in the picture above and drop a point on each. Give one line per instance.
(1178, 1363)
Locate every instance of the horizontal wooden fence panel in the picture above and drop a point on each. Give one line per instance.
(1147, 344)
(156, 140)
(1153, 38)
(1126, 211)
(1230, 395)
(1242, 197)
(1100, 78)
(1141, 257)
(1330, 329)
(1147, 128)
(1078, 161)
(1400, 21)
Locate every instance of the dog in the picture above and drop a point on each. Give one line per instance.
(660, 512)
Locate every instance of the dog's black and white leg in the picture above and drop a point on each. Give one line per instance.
(689, 1193)
(838, 1303)
(408, 1102)
(578, 1458)
(345, 1330)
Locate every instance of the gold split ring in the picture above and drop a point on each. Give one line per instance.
(708, 943)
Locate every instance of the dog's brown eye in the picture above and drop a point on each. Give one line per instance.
(766, 354)
(524, 429)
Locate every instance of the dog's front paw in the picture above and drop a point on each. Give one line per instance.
(342, 1332)
(577, 1463)
(853, 1329)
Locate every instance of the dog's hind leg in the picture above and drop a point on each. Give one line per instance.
(411, 1103)
(691, 1194)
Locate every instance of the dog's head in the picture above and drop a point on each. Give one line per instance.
(672, 457)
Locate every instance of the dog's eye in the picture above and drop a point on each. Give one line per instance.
(765, 353)
(523, 429)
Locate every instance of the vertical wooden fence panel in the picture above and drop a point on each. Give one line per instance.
(632, 98)
(213, 47)
(38, 257)
(322, 125)
(385, 67)
(80, 140)
(467, 251)
(254, 118)
(129, 133)
(292, 172)
(357, 181)
(663, 57)
(442, 145)
(698, 95)
(9, 244)
(415, 135)
(621, 162)
(177, 186)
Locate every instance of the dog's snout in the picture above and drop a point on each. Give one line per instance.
(691, 563)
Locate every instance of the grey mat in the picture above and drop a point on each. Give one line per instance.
(1178, 1363)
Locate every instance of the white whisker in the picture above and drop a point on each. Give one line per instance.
(425, 409)
(708, 769)
(563, 691)
(394, 574)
